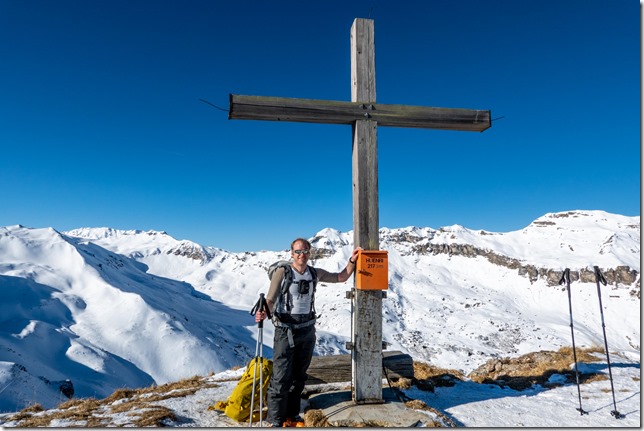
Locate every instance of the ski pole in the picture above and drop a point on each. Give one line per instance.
(565, 278)
(599, 278)
(260, 306)
(252, 398)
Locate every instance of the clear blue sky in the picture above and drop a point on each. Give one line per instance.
(101, 123)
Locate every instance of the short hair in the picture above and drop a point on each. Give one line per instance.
(305, 241)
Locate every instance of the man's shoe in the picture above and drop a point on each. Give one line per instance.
(296, 421)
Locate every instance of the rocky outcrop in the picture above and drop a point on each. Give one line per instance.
(621, 275)
(191, 251)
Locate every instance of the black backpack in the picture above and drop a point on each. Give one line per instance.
(286, 284)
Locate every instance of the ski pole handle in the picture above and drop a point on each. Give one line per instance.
(261, 306)
(264, 306)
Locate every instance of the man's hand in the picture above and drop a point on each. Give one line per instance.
(354, 255)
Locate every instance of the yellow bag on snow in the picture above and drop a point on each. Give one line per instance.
(237, 406)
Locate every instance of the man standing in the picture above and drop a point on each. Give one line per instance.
(294, 319)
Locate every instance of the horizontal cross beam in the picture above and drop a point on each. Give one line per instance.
(337, 112)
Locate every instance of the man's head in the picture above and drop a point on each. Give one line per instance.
(300, 249)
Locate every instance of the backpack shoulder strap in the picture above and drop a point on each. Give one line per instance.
(314, 274)
(286, 282)
(288, 278)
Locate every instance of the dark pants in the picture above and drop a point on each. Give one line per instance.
(289, 372)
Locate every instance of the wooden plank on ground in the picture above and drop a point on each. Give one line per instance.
(337, 368)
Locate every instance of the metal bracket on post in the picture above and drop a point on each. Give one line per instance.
(384, 345)
(384, 294)
(350, 294)
(349, 345)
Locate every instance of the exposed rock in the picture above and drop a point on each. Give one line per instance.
(191, 251)
(67, 388)
(319, 253)
(623, 275)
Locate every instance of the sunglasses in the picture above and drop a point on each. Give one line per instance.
(302, 251)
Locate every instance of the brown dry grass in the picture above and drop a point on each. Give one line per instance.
(402, 383)
(536, 368)
(314, 418)
(119, 394)
(86, 412)
(128, 405)
(426, 371)
(427, 377)
(34, 408)
(589, 378)
(72, 403)
(583, 355)
(78, 412)
(152, 416)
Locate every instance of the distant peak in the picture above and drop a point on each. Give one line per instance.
(331, 239)
(108, 232)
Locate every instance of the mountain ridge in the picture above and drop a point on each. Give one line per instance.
(126, 308)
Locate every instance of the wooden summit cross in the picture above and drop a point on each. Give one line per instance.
(365, 116)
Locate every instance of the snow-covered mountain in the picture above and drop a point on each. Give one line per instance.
(107, 309)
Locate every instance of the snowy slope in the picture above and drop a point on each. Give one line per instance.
(108, 308)
(71, 309)
(556, 240)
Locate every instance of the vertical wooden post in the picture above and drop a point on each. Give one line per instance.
(361, 112)
(366, 355)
